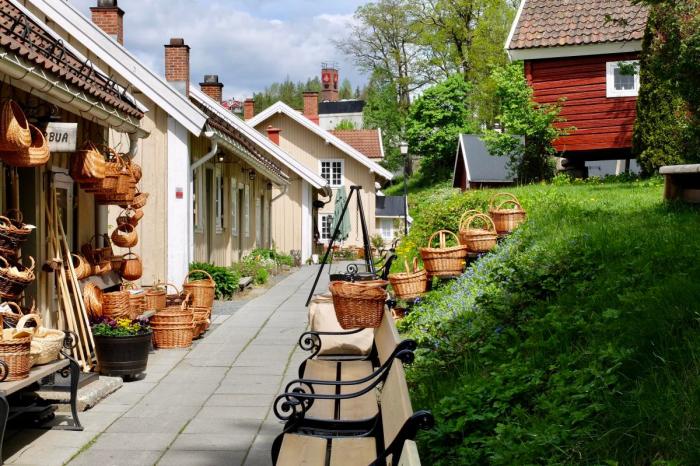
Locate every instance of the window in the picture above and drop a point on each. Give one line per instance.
(258, 222)
(622, 78)
(234, 207)
(332, 171)
(385, 227)
(326, 226)
(218, 200)
(198, 200)
(246, 211)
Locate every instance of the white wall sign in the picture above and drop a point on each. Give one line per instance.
(62, 137)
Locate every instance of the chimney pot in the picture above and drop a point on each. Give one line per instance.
(311, 106)
(177, 65)
(212, 87)
(274, 134)
(110, 18)
(177, 42)
(248, 109)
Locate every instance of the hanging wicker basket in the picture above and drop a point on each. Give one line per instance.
(444, 261)
(125, 236)
(115, 305)
(35, 155)
(88, 165)
(130, 216)
(14, 279)
(173, 327)
(410, 284)
(203, 291)
(506, 212)
(99, 257)
(46, 343)
(139, 202)
(81, 266)
(15, 132)
(358, 305)
(477, 240)
(132, 269)
(13, 234)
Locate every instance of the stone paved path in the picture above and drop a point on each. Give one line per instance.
(210, 405)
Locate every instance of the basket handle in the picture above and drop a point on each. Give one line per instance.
(129, 226)
(26, 318)
(19, 217)
(185, 302)
(515, 202)
(17, 310)
(495, 199)
(166, 285)
(442, 236)
(485, 218)
(211, 279)
(136, 256)
(467, 214)
(31, 267)
(415, 264)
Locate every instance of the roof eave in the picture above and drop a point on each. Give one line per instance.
(582, 50)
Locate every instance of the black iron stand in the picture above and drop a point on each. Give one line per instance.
(365, 238)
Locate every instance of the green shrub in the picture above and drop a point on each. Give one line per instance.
(575, 342)
(226, 279)
(261, 276)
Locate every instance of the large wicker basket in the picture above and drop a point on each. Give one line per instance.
(14, 352)
(46, 342)
(444, 261)
(477, 240)
(409, 284)
(173, 327)
(35, 155)
(15, 132)
(358, 305)
(506, 218)
(115, 305)
(202, 290)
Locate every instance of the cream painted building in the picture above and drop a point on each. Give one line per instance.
(299, 224)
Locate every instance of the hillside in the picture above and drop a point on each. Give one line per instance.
(576, 341)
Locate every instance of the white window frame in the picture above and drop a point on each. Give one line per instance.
(234, 207)
(382, 223)
(321, 217)
(199, 199)
(610, 68)
(342, 171)
(246, 211)
(219, 200)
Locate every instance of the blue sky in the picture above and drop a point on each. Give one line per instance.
(248, 43)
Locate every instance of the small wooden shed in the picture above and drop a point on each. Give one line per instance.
(475, 167)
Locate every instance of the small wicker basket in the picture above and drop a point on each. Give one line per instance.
(202, 319)
(506, 219)
(46, 343)
(15, 132)
(14, 352)
(156, 298)
(203, 291)
(15, 278)
(477, 240)
(444, 261)
(358, 305)
(125, 235)
(409, 284)
(173, 327)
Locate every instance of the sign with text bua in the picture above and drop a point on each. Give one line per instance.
(62, 137)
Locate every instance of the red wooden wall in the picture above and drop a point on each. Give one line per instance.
(600, 122)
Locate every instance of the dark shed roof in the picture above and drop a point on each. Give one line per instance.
(481, 166)
(390, 206)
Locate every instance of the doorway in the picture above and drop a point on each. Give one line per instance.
(241, 198)
(208, 207)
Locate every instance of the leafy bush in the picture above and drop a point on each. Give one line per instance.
(574, 342)
(261, 276)
(226, 279)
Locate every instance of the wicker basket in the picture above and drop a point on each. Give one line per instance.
(173, 327)
(15, 132)
(88, 165)
(137, 303)
(173, 299)
(35, 155)
(140, 200)
(506, 219)
(15, 353)
(46, 343)
(130, 216)
(443, 261)
(478, 240)
(115, 305)
(99, 258)
(358, 305)
(12, 236)
(14, 279)
(125, 236)
(202, 316)
(409, 284)
(203, 291)
(9, 318)
(82, 268)
(132, 268)
(156, 298)
(92, 297)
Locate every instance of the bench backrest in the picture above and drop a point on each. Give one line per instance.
(409, 455)
(395, 403)
(386, 337)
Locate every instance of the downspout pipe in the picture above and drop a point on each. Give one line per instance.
(285, 189)
(190, 217)
(208, 156)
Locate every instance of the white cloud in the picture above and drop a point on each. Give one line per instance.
(249, 44)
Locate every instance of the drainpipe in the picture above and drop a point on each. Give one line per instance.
(190, 217)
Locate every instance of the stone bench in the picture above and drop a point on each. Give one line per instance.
(682, 182)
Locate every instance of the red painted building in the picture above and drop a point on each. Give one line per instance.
(574, 50)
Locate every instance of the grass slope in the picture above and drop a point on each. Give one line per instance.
(576, 341)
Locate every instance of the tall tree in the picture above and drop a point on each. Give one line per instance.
(386, 35)
(345, 91)
(382, 111)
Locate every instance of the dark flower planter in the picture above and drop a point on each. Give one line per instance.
(123, 356)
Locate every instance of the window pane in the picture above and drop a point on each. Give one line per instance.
(623, 82)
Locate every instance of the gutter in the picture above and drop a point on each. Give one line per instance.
(209, 155)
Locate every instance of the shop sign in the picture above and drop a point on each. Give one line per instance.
(62, 137)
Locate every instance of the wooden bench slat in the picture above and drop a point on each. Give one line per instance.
(302, 450)
(362, 407)
(353, 451)
(409, 455)
(35, 374)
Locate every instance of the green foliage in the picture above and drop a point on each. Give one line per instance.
(225, 278)
(120, 328)
(434, 123)
(382, 111)
(574, 342)
(521, 116)
(261, 276)
(272, 254)
(346, 125)
(662, 128)
(345, 91)
(377, 241)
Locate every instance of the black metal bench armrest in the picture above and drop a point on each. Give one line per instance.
(423, 420)
(311, 340)
(403, 351)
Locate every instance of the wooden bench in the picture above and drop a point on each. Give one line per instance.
(681, 182)
(67, 366)
(340, 375)
(384, 443)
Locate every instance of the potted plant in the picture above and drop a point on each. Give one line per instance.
(122, 346)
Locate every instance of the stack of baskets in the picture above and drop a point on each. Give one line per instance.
(410, 284)
(444, 261)
(203, 292)
(15, 278)
(100, 258)
(359, 304)
(173, 327)
(115, 305)
(13, 234)
(477, 240)
(506, 212)
(21, 144)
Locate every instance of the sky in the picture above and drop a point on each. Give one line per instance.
(248, 43)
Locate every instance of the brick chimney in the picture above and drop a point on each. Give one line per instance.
(177, 65)
(248, 109)
(311, 106)
(110, 18)
(212, 87)
(274, 134)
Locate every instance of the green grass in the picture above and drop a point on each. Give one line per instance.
(576, 341)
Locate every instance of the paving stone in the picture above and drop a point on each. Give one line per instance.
(256, 400)
(169, 423)
(41, 455)
(145, 410)
(230, 426)
(133, 441)
(222, 441)
(235, 412)
(116, 457)
(202, 458)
